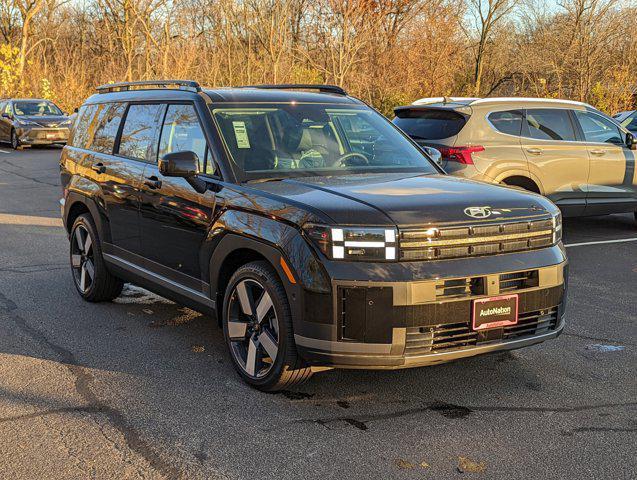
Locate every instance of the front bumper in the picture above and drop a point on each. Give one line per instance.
(426, 319)
(42, 136)
(383, 357)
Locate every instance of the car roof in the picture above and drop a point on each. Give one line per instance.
(451, 102)
(259, 95)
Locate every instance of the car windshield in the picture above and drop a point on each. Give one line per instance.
(291, 140)
(36, 108)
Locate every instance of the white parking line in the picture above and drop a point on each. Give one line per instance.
(621, 240)
(3, 151)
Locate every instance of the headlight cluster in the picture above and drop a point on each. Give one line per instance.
(27, 123)
(354, 243)
(557, 227)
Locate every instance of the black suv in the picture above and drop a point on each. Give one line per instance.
(315, 230)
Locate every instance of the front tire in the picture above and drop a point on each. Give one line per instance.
(15, 141)
(257, 326)
(90, 276)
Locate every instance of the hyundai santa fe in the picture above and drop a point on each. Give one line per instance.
(308, 225)
(581, 159)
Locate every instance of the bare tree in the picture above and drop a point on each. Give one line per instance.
(487, 16)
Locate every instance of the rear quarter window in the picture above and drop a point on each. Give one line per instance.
(509, 121)
(430, 124)
(86, 122)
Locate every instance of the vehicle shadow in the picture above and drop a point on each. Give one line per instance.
(603, 227)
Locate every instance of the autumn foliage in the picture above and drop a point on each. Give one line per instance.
(387, 52)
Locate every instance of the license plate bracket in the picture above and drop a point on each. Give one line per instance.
(495, 312)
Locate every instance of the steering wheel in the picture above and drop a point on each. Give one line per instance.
(352, 159)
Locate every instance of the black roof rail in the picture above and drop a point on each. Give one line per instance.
(190, 85)
(301, 86)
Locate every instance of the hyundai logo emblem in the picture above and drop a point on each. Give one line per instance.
(478, 212)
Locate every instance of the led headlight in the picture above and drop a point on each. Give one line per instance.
(354, 243)
(27, 123)
(557, 227)
(65, 123)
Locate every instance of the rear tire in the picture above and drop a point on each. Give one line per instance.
(91, 278)
(257, 326)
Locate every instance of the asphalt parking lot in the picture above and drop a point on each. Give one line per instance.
(143, 388)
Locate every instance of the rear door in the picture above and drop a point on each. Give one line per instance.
(118, 167)
(174, 216)
(556, 157)
(611, 178)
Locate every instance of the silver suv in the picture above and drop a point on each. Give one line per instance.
(568, 151)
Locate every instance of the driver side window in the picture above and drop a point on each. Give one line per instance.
(599, 129)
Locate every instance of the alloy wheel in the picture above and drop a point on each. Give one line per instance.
(253, 328)
(82, 262)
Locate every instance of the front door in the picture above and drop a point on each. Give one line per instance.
(611, 179)
(554, 155)
(175, 217)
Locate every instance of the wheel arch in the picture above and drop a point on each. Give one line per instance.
(75, 205)
(523, 181)
(235, 250)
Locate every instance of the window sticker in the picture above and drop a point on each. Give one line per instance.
(241, 134)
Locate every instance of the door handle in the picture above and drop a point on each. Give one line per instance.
(598, 151)
(153, 182)
(534, 151)
(98, 167)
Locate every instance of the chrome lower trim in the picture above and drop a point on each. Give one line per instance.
(160, 280)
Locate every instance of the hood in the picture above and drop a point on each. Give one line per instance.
(407, 200)
(44, 120)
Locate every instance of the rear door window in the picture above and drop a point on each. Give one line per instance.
(109, 118)
(509, 122)
(430, 124)
(549, 124)
(139, 134)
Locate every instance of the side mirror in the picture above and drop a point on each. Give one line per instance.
(179, 164)
(631, 143)
(434, 153)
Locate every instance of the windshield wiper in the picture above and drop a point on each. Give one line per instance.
(268, 179)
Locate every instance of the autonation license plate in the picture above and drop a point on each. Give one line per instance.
(495, 312)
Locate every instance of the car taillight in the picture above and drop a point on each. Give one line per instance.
(460, 154)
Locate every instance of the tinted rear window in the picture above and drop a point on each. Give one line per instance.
(430, 124)
(549, 124)
(140, 131)
(509, 122)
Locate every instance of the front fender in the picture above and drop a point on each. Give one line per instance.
(274, 240)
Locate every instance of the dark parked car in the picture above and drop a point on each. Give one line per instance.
(317, 232)
(32, 122)
(627, 119)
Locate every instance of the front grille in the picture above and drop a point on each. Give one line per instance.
(459, 288)
(475, 240)
(458, 336)
(519, 280)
